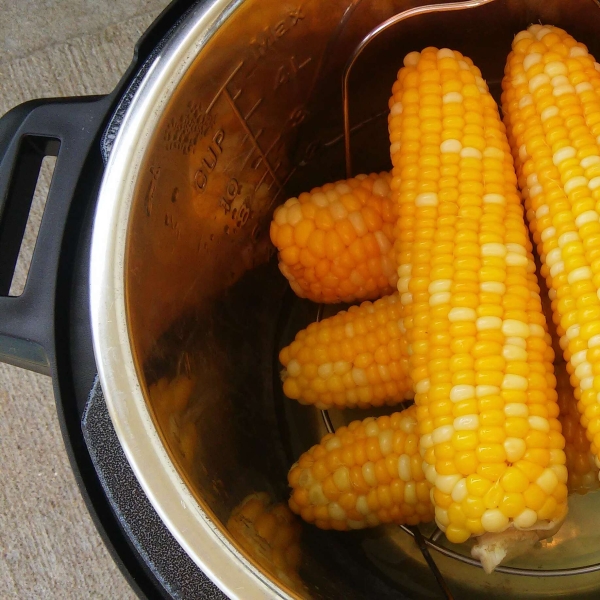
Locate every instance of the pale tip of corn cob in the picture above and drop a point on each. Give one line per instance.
(492, 549)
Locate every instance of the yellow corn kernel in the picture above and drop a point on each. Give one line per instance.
(472, 308)
(336, 242)
(357, 358)
(270, 534)
(365, 493)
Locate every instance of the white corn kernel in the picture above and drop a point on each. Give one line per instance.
(525, 519)
(514, 328)
(510, 352)
(589, 216)
(396, 109)
(574, 183)
(548, 113)
(493, 287)
(469, 152)
(554, 68)
(440, 285)
(531, 59)
(493, 249)
(460, 492)
(362, 506)
(516, 409)
(564, 154)
(539, 423)
(422, 387)
(357, 221)
(481, 391)
(547, 481)
(368, 473)
(439, 298)
(548, 233)
(450, 146)
(458, 393)
(336, 512)
(412, 59)
(580, 274)
(461, 314)
(538, 81)
(467, 423)
(441, 517)
(494, 520)
(446, 483)
(426, 199)
(514, 382)
(515, 448)
(404, 471)
(494, 198)
(487, 323)
(360, 377)
(561, 473)
(316, 495)
(584, 86)
(386, 442)
(452, 97)
(442, 434)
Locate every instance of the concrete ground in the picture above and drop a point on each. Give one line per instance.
(49, 547)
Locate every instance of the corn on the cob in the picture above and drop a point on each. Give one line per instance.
(551, 103)
(367, 473)
(357, 358)
(581, 467)
(481, 361)
(169, 399)
(336, 242)
(270, 534)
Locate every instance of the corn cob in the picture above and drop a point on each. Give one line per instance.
(357, 358)
(551, 103)
(481, 361)
(365, 474)
(270, 534)
(169, 399)
(582, 470)
(336, 242)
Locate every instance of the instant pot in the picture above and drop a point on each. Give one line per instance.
(155, 303)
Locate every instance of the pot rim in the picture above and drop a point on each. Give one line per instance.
(187, 521)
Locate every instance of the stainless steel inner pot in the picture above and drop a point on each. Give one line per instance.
(241, 110)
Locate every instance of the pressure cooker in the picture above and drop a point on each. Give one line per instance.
(155, 303)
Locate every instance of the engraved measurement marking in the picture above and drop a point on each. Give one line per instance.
(265, 173)
(262, 43)
(289, 71)
(253, 109)
(222, 88)
(210, 159)
(232, 190)
(272, 146)
(252, 137)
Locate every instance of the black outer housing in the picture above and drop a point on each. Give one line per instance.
(47, 328)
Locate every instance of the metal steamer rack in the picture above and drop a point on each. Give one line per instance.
(431, 541)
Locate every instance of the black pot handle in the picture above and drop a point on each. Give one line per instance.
(66, 128)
